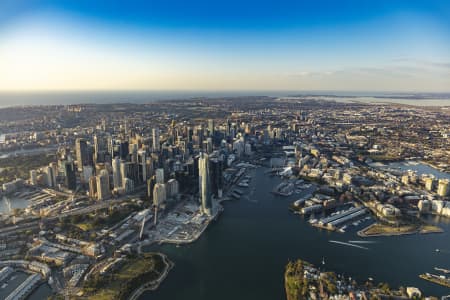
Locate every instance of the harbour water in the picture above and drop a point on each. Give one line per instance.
(420, 168)
(243, 254)
(42, 150)
(8, 204)
(103, 97)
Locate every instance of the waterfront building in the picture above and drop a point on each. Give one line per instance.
(159, 194)
(12, 186)
(205, 183)
(424, 206)
(405, 179)
(443, 187)
(429, 183)
(216, 166)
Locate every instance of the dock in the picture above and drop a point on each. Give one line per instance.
(441, 280)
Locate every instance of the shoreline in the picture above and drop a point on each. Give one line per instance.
(179, 242)
(431, 165)
(198, 235)
(419, 230)
(154, 284)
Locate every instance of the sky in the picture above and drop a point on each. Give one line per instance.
(345, 45)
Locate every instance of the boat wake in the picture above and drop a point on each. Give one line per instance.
(362, 242)
(348, 244)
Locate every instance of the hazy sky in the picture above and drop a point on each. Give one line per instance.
(378, 45)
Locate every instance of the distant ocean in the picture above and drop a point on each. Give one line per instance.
(64, 98)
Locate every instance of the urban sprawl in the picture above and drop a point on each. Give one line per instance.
(102, 183)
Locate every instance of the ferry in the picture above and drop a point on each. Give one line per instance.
(243, 184)
(445, 271)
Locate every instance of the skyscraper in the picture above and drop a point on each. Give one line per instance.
(211, 127)
(443, 187)
(173, 188)
(155, 135)
(159, 194)
(100, 148)
(142, 161)
(117, 176)
(160, 175)
(93, 187)
(216, 166)
(83, 156)
(103, 185)
(205, 183)
(70, 177)
(33, 177)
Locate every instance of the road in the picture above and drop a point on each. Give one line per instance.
(79, 211)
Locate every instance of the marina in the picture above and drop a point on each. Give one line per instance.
(239, 237)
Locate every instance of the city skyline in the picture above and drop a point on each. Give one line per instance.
(226, 46)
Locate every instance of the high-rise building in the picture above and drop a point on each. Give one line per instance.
(209, 145)
(211, 127)
(172, 188)
(100, 149)
(129, 170)
(142, 161)
(103, 185)
(70, 176)
(429, 183)
(155, 136)
(205, 183)
(128, 185)
(86, 173)
(150, 185)
(159, 194)
(33, 177)
(228, 128)
(49, 176)
(55, 172)
(216, 167)
(443, 187)
(159, 175)
(117, 176)
(134, 153)
(84, 157)
(93, 187)
(124, 149)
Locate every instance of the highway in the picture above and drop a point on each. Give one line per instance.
(78, 211)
